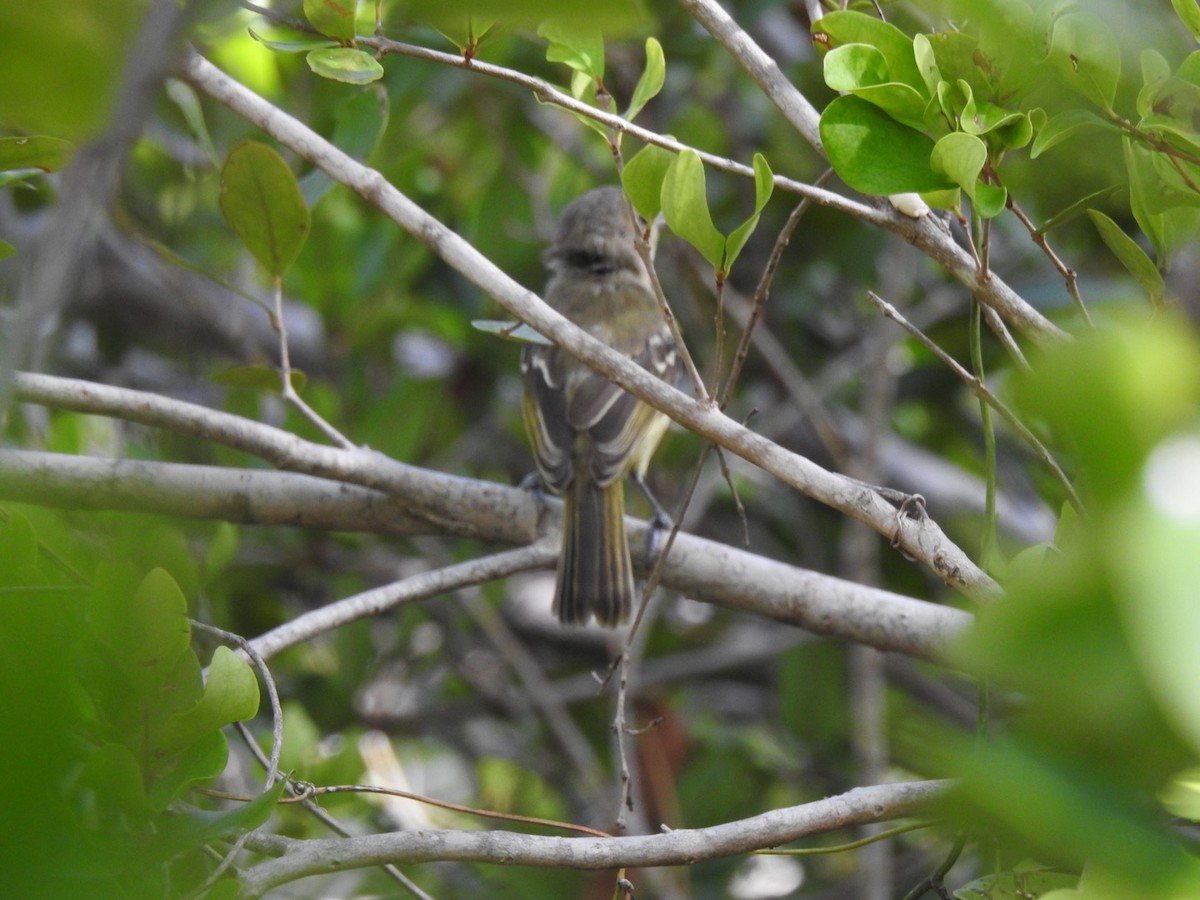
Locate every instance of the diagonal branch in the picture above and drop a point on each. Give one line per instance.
(919, 537)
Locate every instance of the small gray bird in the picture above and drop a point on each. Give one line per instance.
(586, 432)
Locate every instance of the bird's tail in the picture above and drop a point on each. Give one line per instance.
(595, 575)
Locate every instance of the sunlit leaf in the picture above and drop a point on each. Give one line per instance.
(1189, 13)
(926, 63)
(990, 199)
(1155, 71)
(849, 27)
(961, 157)
(851, 66)
(262, 201)
(651, 80)
(345, 64)
(685, 206)
(642, 177)
(764, 184)
(875, 154)
(575, 45)
(230, 695)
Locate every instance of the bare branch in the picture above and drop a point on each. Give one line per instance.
(299, 859)
(704, 570)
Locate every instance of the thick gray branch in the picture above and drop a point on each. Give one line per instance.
(702, 569)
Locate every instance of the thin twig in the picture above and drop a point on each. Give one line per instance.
(981, 390)
(763, 290)
(285, 365)
(301, 858)
(1069, 275)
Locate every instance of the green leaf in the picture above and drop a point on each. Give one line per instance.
(961, 157)
(49, 154)
(1080, 206)
(334, 18)
(642, 177)
(1064, 125)
(1160, 606)
(764, 184)
(1009, 128)
(114, 773)
(685, 206)
(184, 96)
(511, 331)
(198, 763)
(1016, 885)
(191, 830)
(361, 121)
(848, 27)
(345, 64)
(262, 202)
(926, 63)
(1084, 51)
(1132, 257)
(852, 66)
(230, 695)
(1189, 14)
(61, 66)
(7, 250)
(144, 625)
(990, 200)
(303, 46)
(575, 45)
(651, 80)
(1155, 72)
(875, 154)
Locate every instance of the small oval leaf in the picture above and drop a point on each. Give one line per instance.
(345, 64)
(261, 200)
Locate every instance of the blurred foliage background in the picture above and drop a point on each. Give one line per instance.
(1089, 664)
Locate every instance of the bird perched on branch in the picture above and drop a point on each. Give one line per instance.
(586, 432)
